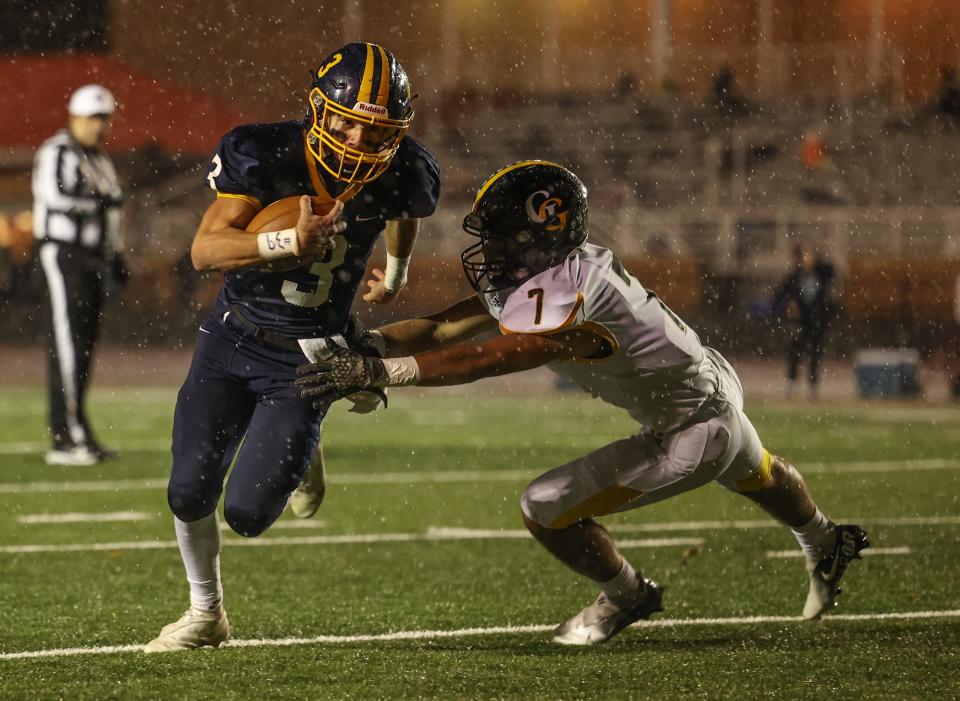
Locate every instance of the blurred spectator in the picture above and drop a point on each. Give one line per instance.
(725, 96)
(824, 181)
(948, 96)
(907, 325)
(626, 87)
(805, 299)
(16, 249)
(953, 344)
(77, 203)
(945, 105)
(812, 149)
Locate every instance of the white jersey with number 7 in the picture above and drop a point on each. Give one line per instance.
(650, 363)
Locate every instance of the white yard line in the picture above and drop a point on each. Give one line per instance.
(441, 533)
(447, 476)
(497, 630)
(431, 476)
(770, 523)
(85, 517)
(878, 466)
(900, 550)
(349, 538)
(659, 542)
(82, 486)
(89, 547)
(432, 534)
(444, 533)
(289, 524)
(365, 478)
(23, 447)
(39, 447)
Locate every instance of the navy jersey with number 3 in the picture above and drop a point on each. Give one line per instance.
(262, 163)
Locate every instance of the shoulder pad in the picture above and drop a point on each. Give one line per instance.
(235, 169)
(546, 303)
(413, 181)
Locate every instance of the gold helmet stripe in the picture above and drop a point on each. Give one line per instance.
(383, 93)
(503, 171)
(366, 85)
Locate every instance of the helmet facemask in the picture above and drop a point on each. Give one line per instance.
(507, 258)
(345, 163)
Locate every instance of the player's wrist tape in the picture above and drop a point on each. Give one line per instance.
(278, 244)
(401, 371)
(395, 276)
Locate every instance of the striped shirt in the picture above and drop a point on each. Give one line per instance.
(76, 196)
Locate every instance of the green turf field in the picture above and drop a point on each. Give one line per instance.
(428, 605)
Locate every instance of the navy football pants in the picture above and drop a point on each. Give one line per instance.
(239, 400)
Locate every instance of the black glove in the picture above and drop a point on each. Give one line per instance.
(359, 338)
(344, 372)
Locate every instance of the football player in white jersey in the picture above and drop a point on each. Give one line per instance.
(561, 302)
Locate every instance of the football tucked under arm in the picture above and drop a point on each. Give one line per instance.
(279, 221)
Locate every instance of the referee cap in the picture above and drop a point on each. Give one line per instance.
(90, 100)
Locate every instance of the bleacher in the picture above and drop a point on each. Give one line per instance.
(671, 179)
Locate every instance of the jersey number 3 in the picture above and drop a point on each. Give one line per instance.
(315, 293)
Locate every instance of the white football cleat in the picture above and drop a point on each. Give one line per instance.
(603, 619)
(196, 628)
(306, 498)
(825, 574)
(76, 455)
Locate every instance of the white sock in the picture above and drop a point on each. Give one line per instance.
(622, 589)
(815, 536)
(199, 543)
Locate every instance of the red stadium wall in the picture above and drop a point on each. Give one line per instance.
(151, 110)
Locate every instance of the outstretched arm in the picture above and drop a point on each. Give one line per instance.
(502, 355)
(347, 371)
(465, 319)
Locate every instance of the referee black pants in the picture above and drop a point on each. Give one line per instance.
(75, 287)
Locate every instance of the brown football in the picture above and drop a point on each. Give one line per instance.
(283, 214)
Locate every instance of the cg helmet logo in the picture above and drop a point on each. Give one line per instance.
(541, 207)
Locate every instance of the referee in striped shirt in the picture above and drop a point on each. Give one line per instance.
(77, 223)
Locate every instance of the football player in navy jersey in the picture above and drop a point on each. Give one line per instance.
(238, 403)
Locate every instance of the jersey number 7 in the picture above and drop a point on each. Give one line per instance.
(538, 293)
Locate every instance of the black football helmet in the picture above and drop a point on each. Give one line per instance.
(365, 83)
(529, 216)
